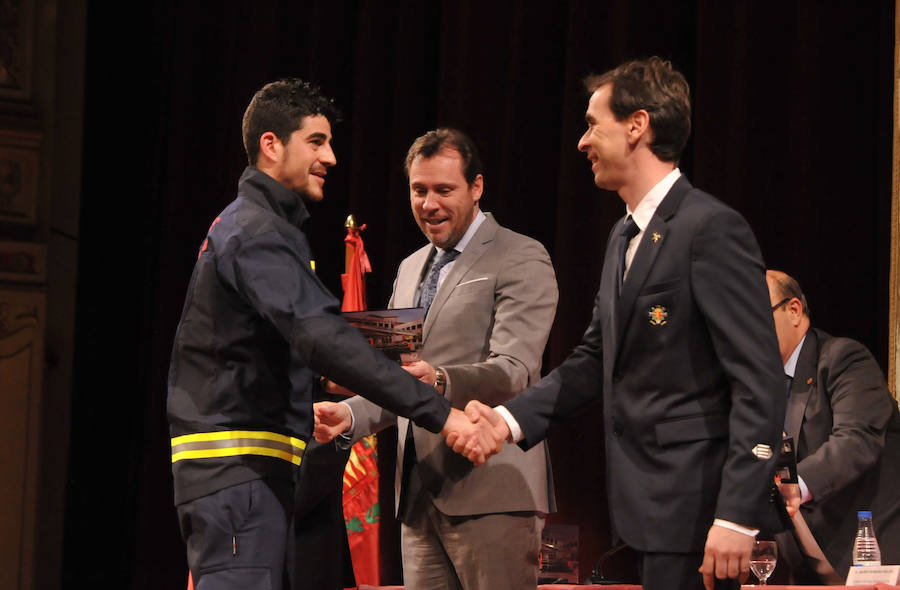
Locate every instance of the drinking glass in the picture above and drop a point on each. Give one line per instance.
(762, 560)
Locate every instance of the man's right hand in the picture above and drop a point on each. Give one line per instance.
(486, 436)
(332, 419)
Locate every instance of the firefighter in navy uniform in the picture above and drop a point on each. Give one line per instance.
(256, 332)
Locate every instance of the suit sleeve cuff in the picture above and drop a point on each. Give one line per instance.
(727, 524)
(515, 431)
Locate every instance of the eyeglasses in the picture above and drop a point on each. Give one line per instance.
(780, 303)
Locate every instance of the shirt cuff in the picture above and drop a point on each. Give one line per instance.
(727, 524)
(345, 439)
(805, 494)
(515, 431)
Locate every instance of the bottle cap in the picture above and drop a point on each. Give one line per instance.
(864, 514)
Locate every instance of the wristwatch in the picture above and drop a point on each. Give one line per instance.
(440, 380)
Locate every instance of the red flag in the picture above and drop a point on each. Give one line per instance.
(361, 510)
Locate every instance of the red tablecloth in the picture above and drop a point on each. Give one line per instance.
(633, 587)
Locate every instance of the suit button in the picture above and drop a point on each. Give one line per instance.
(617, 429)
(617, 377)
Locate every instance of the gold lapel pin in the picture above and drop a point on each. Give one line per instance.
(656, 237)
(809, 381)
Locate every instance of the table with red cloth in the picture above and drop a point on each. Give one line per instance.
(634, 587)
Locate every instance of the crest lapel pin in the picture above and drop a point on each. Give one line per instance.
(658, 315)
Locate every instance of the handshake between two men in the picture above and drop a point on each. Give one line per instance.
(477, 434)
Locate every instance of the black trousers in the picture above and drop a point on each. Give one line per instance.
(241, 537)
(322, 557)
(676, 571)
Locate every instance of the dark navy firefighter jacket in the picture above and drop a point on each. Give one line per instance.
(257, 330)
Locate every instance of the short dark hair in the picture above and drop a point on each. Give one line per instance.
(280, 107)
(654, 86)
(446, 138)
(788, 287)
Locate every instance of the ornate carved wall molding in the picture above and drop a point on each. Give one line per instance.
(21, 367)
(19, 165)
(16, 48)
(23, 262)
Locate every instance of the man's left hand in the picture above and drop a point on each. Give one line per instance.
(791, 494)
(726, 555)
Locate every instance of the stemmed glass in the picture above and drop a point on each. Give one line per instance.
(762, 560)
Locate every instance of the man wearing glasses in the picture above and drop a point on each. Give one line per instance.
(846, 429)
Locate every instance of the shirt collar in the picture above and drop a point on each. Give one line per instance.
(790, 367)
(467, 237)
(643, 213)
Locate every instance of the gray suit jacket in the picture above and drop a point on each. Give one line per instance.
(487, 328)
(847, 431)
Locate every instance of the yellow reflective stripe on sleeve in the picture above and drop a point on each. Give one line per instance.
(230, 443)
(234, 451)
(227, 434)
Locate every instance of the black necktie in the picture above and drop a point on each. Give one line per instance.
(430, 285)
(629, 230)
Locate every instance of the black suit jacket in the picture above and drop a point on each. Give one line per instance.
(847, 431)
(687, 365)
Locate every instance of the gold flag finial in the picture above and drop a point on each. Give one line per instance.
(351, 222)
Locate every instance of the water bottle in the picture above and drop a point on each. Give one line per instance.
(865, 547)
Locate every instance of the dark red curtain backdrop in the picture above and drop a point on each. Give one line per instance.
(792, 127)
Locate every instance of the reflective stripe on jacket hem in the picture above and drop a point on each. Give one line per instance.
(230, 443)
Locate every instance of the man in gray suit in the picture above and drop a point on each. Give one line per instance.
(490, 305)
(846, 428)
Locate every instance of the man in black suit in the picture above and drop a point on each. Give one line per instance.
(846, 428)
(682, 351)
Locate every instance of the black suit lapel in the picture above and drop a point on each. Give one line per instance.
(652, 242)
(607, 294)
(803, 384)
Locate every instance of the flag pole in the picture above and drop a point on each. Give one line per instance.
(362, 513)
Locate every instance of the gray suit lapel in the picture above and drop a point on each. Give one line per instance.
(803, 384)
(405, 290)
(476, 247)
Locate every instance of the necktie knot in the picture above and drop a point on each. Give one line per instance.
(429, 287)
(629, 230)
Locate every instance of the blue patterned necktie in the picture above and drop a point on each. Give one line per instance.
(429, 287)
